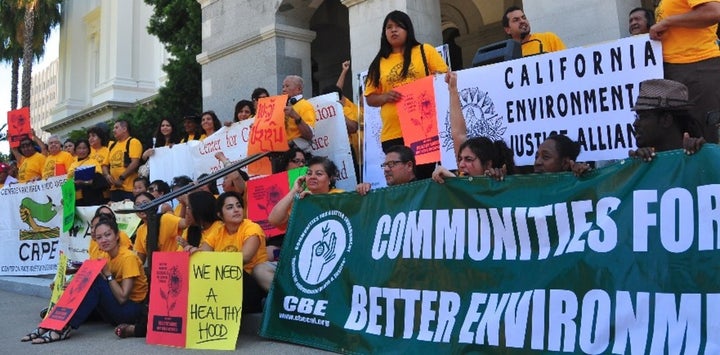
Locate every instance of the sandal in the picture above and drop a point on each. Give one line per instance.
(125, 330)
(36, 333)
(52, 336)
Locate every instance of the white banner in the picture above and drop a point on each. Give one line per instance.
(30, 227)
(584, 92)
(330, 138)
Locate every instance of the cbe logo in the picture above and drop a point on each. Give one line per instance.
(305, 305)
(320, 252)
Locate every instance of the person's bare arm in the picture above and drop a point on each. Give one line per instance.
(703, 15)
(341, 79)
(458, 128)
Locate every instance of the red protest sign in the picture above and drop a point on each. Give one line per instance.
(68, 303)
(18, 126)
(263, 194)
(418, 119)
(268, 132)
(167, 317)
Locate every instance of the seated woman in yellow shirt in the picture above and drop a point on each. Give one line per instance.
(238, 234)
(171, 227)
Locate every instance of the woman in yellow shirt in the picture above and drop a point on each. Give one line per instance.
(171, 227)
(201, 218)
(89, 192)
(238, 234)
(117, 293)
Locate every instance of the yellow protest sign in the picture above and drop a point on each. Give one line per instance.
(215, 300)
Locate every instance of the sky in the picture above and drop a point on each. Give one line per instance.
(52, 47)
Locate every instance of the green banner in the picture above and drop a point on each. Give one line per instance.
(622, 260)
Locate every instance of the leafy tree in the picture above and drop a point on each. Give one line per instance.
(177, 24)
(40, 16)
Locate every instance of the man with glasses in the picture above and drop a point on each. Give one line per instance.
(662, 121)
(399, 168)
(30, 162)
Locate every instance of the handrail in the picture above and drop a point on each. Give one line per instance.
(153, 221)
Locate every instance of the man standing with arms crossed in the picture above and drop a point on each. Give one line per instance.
(687, 29)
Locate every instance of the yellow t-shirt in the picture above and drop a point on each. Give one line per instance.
(307, 112)
(127, 265)
(53, 163)
(189, 138)
(390, 69)
(116, 162)
(99, 155)
(31, 167)
(213, 229)
(169, 230)
(350, 110)
(550, 43)
(94, 251)
(222, 241)
(682, 44)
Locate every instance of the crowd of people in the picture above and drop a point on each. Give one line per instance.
(204, 220)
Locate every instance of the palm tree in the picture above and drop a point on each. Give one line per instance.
(10, 45)
(39, 16)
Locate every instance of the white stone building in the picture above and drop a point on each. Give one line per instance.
(253, 43)
(108, 62)
(43, 97)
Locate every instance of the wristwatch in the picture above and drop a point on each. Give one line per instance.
(109, 278)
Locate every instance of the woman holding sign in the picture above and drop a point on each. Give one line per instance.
(400, 60)
(87, 172)
(238, 234)
(117, 293)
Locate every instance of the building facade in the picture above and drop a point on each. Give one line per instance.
(43, 97)
(108, 62)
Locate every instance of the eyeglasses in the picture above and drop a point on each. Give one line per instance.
(298, 161)
(391, 164)
(25, 145)
(466, 159)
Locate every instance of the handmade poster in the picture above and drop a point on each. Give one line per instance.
(268, 132)
(263, 193)
(58, 282)
(168, 299)
(68, 203)
(215, 300)
(18, 126)
(196, 301)
(418, 119)
(60, 315)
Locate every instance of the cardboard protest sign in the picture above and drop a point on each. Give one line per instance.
(215, 301)
(58, 282)
(263, 193)
(167, 318)
(18, 126)
(73, 295)
(196, 301)
(268, 132)
(418, 119)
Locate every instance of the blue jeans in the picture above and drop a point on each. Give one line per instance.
(100, 297)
